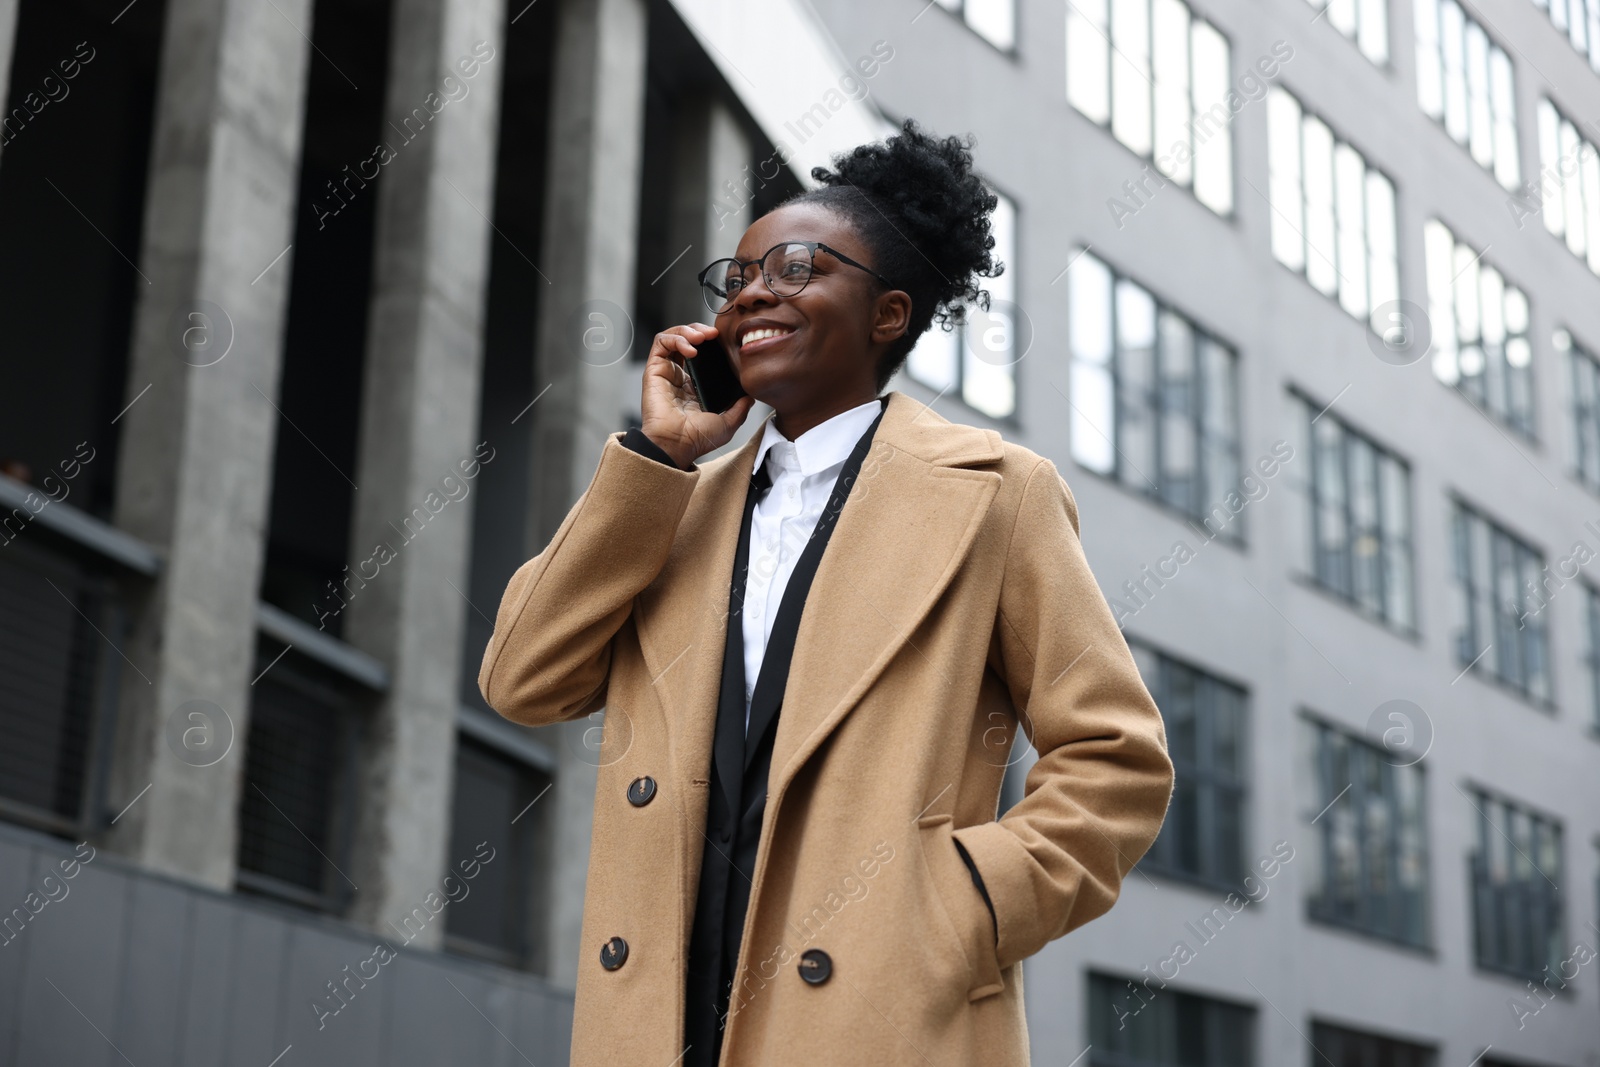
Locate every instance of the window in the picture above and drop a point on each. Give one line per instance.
(1500, 628)
(1372, 861)
(1332, 214)
(1157, 77)
(1591, 601)
(1480, 330)
(978, 361)
(1569, 188)
(1516, 895)
(1580, 21)
(1585, 409)
(1203, 837)
(1132, 1025)
(494, 830)
(1155, 398)
(1351, 1048)
(1360, 497)
(63, 616)
(297, 804)
(993, 20)
(1464, 81)
(1366, 22)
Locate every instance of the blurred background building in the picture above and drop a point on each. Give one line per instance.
(314, 315)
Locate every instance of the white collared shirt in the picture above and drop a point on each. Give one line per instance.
(803, 474)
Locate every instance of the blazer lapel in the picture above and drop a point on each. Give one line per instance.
(905, 528)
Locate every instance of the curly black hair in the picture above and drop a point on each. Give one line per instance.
(915, 202)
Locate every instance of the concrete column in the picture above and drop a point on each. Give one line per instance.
(419, 456)
(714, 182)
(194, 468)
(589, 248)
(8, 44)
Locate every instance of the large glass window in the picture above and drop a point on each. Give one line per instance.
(993, 20)
(1203, 837)
(1585, 408)
(1569, 188)
(1371, 869)
(1366, 22)
(1591, 611)
(978, 361)
(1501, 629)
(1332, 214)
(1516, 888)
(1579, 20)
(494, 834)
(1480, 330)
(1360, 498)
(1157, 77)
(1464, 81)
(1351, 1048)
(1155, 397)
(1128, 1027)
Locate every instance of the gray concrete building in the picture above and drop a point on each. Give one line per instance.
(314, 315)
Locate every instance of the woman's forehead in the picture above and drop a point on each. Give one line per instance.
(798, 222)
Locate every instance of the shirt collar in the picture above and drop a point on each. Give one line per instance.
(826, 444)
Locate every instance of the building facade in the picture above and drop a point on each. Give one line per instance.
(314, 315)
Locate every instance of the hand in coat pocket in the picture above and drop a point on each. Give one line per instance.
(966, 912)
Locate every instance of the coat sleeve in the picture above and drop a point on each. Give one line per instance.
(550, 656)
(1095, 800)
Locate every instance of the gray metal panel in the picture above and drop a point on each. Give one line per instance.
(70, 995)
(16, 876)
(208, 959)
(149, 1016)
(346, 1037)
(544, 1026)
(181, 975)
(437, 1016)
(255, 988)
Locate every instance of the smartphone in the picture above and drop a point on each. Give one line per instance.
(715, 380)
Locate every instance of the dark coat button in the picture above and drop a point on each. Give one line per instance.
(613, 953)
(641, 790)
(815, 966)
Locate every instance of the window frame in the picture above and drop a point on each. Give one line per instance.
(1105, 33)
(1391, 260)
(1484, 798)
(1311, 410)
(1151, 408)
(1525, 425)
(1213, 788)
(1525, 557)
(1319, 909)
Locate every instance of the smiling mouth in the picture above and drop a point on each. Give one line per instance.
(759, 340)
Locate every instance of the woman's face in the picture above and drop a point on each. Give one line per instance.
(835, 328)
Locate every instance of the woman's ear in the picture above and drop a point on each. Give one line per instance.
(891, 316)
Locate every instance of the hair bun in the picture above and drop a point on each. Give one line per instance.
(914, 199)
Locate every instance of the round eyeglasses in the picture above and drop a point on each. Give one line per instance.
(786, 268)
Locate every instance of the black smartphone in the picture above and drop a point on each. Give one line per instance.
(715, 380)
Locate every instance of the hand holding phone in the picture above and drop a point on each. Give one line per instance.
(686, 422)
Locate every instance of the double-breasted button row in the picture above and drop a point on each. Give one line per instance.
(641, 791)
(816, 966)
(613, 953)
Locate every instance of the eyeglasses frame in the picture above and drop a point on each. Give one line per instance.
(744, 264)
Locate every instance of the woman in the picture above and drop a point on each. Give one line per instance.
(795, 852)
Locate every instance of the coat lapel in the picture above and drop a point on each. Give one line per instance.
(905, 528)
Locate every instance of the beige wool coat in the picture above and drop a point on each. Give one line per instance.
(952, 607)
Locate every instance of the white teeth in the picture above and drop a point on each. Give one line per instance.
(762, 334)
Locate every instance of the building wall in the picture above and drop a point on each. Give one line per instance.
(1248, 613)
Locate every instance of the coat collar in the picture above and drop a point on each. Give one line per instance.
(905, 529)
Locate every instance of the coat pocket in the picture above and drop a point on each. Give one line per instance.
(964, 910)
